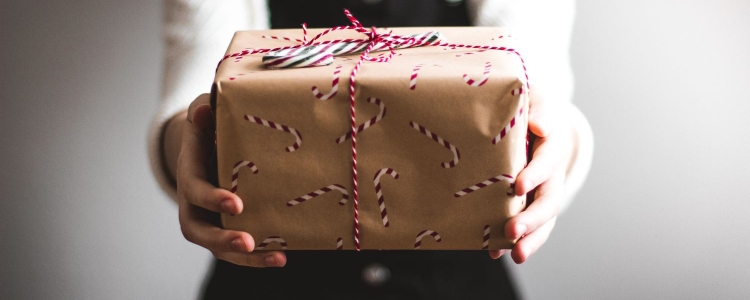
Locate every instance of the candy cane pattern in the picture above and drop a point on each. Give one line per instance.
(414, 74)
(367, 124)
(236, 172)
(507, 127)
(277, 126)
(413, 79)
(379, 192)
(470, 53)
(339, 244)
(272, 239)
(272, 37)
(503, 177)
(486, 238)
(481, 81)
(338, 187)
(441, 141)
(334, 86)
(518, 91)
(423, 233)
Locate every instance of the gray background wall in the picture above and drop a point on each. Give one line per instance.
(665, 84)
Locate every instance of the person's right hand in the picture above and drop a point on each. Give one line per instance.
(200, 201)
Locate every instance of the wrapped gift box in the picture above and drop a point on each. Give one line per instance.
(444, 134)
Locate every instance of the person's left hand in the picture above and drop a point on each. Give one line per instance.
(552, 153)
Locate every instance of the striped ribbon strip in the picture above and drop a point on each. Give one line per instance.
(322, 54)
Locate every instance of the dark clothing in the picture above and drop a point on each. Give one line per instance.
(349, 274)
(339, 275)
(381, 13)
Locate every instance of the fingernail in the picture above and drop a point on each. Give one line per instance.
(520, 230)
(237, 244)
(270, 260)
(502, 252)
(227, 206)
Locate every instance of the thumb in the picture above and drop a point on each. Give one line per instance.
(541, 112)
(199, 113)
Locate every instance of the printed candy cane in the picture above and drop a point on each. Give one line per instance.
(470, 53)
(517, 91)
(379, 193)
(486, 239)
(503, 177)
(272, 239)
(414, 74)
(481, 81)
(334, 86)
(276, 126)
(339, 244)
(338, 187)
(423, 233)
(367, 124)
(441, 141)
(281, 38)
(507, 127)
(413, 79)
(236, 172)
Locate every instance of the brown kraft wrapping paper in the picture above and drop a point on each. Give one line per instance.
(277, 142)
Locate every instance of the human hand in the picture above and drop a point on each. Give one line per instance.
(199, 201)
(552, 154)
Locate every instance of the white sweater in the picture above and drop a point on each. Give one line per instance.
(197, 33)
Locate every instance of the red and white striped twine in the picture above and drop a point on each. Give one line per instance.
(482, 80)
(368, 123)
(373, 38)
(508, 127)
(339, 244)
(423, 233)
(441, 141)
(334, 86)
(379, 192)
(272, 239)
(270, 124)
(236, 172)
(337, 187)
(483, 184)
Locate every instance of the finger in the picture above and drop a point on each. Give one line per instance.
(196, 228)
(199, 192)
(540, 211)
(530, 243)
(541, 114)
(260, 259)
(202, 100)
(495, 254)
(549, 155)
(192, 177)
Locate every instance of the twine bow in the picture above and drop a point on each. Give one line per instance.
(319, 53)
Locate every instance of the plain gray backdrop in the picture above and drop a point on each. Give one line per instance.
(663, 215)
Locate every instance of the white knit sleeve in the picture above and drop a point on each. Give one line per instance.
(196, 35)
(543, 29)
